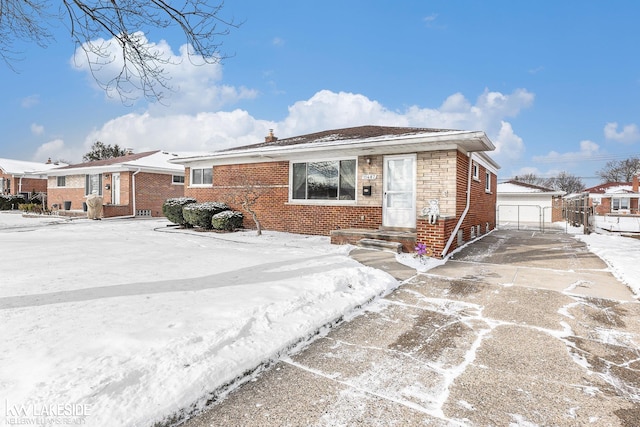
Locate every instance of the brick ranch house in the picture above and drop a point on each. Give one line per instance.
(25, 178)
(615, 198)
(369, 182)
(130, 185)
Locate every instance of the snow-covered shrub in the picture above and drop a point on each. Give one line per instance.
(200, 214)
(9, 201)
(227, 220)
(172, 209)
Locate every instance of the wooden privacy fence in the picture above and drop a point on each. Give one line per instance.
(577, 212)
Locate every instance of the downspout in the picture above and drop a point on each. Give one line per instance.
(133, 184)
(20, 184)
(466, 208)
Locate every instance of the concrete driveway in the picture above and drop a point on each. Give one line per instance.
(519, 328)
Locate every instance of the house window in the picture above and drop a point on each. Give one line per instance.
(177, 179)
(620, 203)
(93, 184)
(329, 180)
(487, 182)
(61, 181)
(476, 172)
(202, 176)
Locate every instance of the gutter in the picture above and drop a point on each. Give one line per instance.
(466, 208)
(133, 185)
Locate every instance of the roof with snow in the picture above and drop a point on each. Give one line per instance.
(360, 132)
(611, 188)
(21, 167)
(354, 141)
(517, 187)
(149, 161)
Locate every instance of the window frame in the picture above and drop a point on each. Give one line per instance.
(620, 207)
(338, 200)
(180, 179)
(202, 177)
(476, 171)
(87, 184)
(487, 182)
(61, 181)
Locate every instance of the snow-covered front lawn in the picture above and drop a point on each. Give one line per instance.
(126, 322)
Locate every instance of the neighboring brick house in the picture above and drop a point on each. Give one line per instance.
(355, 183)
(521, 203)
(134, 184)
(615, 198)
(21, 177)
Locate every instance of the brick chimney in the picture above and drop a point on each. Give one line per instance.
(634, 183)
(48, 161)
(271, 137)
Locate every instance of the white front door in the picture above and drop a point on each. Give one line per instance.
(115, 188)
(399, 202)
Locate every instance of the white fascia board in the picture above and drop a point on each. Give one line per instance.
(463, 140)
(112, 169)
(486, 161)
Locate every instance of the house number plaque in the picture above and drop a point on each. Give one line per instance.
(369, 176)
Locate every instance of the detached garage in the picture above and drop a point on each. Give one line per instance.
(521, 204)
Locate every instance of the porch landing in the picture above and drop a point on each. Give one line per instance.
(390, 240)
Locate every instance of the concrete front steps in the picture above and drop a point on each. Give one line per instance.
(392, 240)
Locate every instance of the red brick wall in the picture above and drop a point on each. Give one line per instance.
(56, 196)
(271, 180)
(152, 189)
(276, 213)
(29, 185)
(482, 209)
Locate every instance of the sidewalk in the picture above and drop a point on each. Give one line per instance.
(515, 329)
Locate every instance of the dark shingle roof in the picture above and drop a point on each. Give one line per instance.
(111, 161)
(359, 132)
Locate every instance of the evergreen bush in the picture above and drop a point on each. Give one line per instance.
(172, 209)
(227, 220)
(200, 214)
(9, 201)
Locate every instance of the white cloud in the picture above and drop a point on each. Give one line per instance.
(200, 132)
(195, 82)
(55, 150)
(37, 129)
(277, 41)
(30, 101)
(588, 150)
(325, 110)
(629, 134)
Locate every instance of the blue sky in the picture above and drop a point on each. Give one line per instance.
(555, 85)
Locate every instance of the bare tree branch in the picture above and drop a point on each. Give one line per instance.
(92, 24)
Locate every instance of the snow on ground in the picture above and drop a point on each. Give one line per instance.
(620, 253)
(126, 322)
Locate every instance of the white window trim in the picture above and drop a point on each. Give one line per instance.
(476, 171)
(177, 183)
(487, 184)
(192, 185)
(321, 202)
(100, 184)
(620, 208)
(58, 181)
